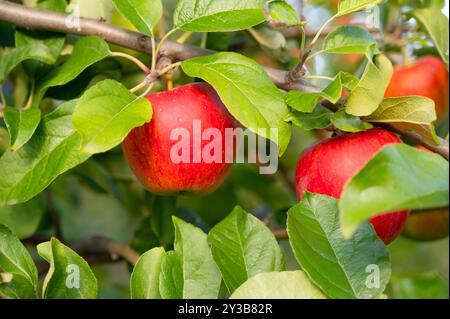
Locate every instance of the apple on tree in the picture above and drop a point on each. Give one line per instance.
(148, 148)
(427, 77)
(328, 166)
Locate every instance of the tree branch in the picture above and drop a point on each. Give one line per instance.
(37, 19)
(98, 246)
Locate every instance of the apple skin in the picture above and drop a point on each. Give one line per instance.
(147, 148)
(427, 225)
(328, 166)
(427, 77)
(430, 225)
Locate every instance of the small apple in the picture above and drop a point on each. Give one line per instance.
(427, 225)
(328, 166)
(194, 109)
(427, 77)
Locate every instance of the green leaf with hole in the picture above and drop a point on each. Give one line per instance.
(143, 14)
(87, 51)
(24, 219)
(247, 91)
(399, 177)
(53, 150)
(409, 114)
(17, 262)
(69, 276)
(278, 285)
(435, 23)
(21, 125)
(106, 113)
(218, 15)
(348, 39)
(351, 6)
(329, 259)
(349, 123)
(146, 273)
(281, 14)
(242, 247)
(368, 94)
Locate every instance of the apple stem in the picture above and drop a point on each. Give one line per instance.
(136, 61)
(169, 78)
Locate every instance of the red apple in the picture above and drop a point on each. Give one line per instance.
(149, 148)
(427, 77)
(328, 166)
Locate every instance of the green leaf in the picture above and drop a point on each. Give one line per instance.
(268, 38)
(278, 285)
(280, 14)
(53, 41)
(218, 15)
(171, 280)
(349, 123)
(146, 274)
(23, 219)
(200, 276)
(17, 55)
(368, 94)
(435, 23)
(247, 91)
(399, 177)
(106, 113)
(351, 6)
(54, 149)
(143, 14)
(319, 119)
(329, 259)
(420, 286)
(242, 247)
(15, 286)
(409, 114)
(15, 260)
(21, 125)
(87, 51)
(69, 276)
(348, 39)
(306, 102)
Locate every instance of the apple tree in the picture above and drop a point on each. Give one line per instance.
(204, 149)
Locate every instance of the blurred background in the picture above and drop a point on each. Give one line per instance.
(102, 197)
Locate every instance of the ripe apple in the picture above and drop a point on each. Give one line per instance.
(148, 149)
(427, 225)
(427, 77)
(328, 166)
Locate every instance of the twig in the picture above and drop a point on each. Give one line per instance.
(280, 234)
(96, 246)
(131, 58)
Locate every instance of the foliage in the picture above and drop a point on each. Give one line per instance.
(67, 103)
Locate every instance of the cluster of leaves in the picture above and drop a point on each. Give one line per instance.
(240, 250)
